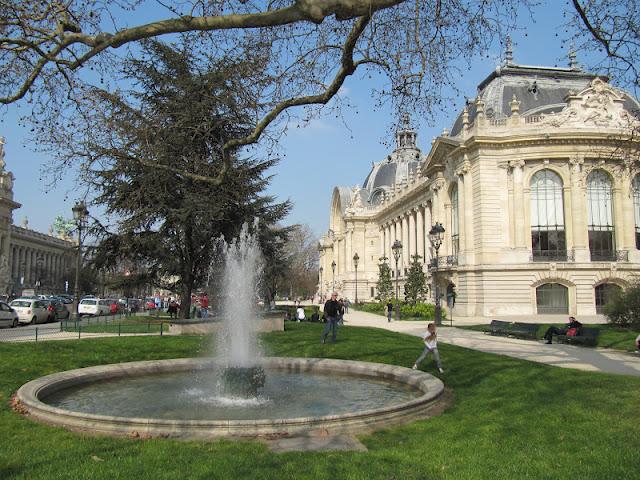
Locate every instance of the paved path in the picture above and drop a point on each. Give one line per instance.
(559, 355)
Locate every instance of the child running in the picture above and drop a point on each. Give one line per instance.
(430, 346)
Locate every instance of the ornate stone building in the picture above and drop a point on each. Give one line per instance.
(28, 259)
(539, 201)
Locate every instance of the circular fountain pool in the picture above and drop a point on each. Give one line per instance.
(178, 398)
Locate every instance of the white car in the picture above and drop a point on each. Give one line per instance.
(30, 310)
(8, 316)
(94, 306)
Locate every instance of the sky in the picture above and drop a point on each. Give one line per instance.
(315, 159)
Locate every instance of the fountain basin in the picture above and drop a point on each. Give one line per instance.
(33, 395)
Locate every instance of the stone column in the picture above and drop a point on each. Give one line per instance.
(576, 212)
(412, 234)
(349, 250)
(420, 231)
(518, 203)
(405, 240)
(625, 225)
(462, 234)
(467, 212)
(29, 261)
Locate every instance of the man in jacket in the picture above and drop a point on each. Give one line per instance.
(331, 311)
(573, 323)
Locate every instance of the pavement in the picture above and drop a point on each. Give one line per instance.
(559, 355)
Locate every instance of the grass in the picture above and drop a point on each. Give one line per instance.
(511, 419)
(609, 336)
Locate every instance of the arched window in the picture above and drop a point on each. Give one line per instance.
(548, 239)
(455, 232)
(600, 210)
(636, 207)
(605, 293)
(552, 298)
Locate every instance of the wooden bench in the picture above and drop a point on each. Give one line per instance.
(512, 329)
(586, 336)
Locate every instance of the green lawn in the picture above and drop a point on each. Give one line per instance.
(511, 419)
(610, 336)
(118, 324)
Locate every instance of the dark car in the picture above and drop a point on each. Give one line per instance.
(57, 310)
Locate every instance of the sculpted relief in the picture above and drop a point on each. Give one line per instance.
(597, 106)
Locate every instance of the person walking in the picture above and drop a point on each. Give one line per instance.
(430, 339)
(389, 311)
(331, 311)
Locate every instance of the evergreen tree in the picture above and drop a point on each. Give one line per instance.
(385, 284)
(176, 118)
(415, 287)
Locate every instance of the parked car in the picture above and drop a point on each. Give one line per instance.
(30, 310)
(94, 306)
(8, 316)
(57, 310)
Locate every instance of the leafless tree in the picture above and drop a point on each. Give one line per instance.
(52, 51)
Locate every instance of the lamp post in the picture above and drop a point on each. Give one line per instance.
(333, 278)
(356, 259)
(320, 285)
(80, 214)
(435, 237)
(397, 251)
(39, 262)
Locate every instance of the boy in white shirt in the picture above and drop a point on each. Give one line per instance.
(430, 346)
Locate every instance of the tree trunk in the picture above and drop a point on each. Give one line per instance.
(185, 298)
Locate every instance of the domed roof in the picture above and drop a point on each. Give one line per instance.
(540, 90)
(399, 165)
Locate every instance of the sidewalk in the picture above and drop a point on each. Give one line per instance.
(565, 356)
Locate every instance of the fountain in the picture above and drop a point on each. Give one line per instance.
(238, 392)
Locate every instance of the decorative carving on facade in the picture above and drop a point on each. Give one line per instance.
(438, 184)
(599, 105)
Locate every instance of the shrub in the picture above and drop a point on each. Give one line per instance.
(374, 307)
(624, 310)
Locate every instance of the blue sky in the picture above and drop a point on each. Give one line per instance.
(313, 159)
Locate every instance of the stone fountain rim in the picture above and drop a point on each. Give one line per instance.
(29, 396)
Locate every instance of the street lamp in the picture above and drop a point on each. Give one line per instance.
(80, 214)
(397, 251)
(333, 278)
(356, 259)
(39, 262)
(435, 237)
(321, 289)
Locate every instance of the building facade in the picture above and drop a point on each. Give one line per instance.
(29, 259)
(536, 185)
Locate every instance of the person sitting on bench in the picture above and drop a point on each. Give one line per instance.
(573, 323)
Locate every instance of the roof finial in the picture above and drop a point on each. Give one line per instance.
(573, 62)
(405, 121)
(508, 54)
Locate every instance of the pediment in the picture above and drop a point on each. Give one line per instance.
(597, 106)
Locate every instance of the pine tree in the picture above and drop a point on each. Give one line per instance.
(385, 285)
(415, 288)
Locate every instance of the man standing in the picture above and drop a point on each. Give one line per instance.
(331, 310)
(204, 305)
(389, 310)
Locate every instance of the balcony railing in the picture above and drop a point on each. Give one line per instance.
(552, 256)
(444, 262)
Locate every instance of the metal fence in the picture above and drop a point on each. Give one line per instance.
(117, 325)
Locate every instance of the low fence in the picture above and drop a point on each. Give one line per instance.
(86, 327)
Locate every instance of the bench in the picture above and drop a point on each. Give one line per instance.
(512, 329)
(586, 336)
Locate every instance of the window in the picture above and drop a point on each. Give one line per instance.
(605, 292)
(636, 208)
(373, 292)
(552, 298)
(548, 240)
(600, 217)
(455, 234)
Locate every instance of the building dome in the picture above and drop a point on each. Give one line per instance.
(397, 167)
(540, 90)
